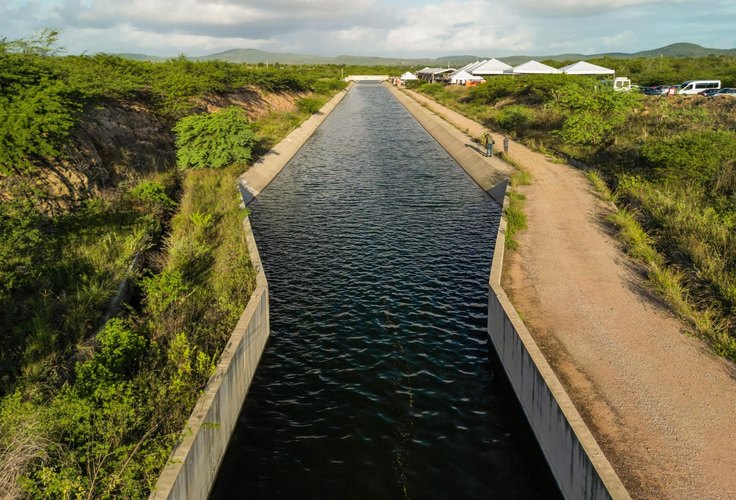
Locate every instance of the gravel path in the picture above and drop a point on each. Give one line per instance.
(661, 405)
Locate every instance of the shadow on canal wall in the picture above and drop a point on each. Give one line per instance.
(193, 465)
(574, 457)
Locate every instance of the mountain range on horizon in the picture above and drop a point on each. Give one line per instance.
(256, 56)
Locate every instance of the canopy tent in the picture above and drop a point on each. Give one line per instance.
(434, 74)
(586, 68)
(492, 67)
(533, 68)
(408, 76)
(461, 77)
(469, 67)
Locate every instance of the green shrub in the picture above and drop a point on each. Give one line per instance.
(309, 105)
(415, 84)
(120, 354)
(328, 85)
(515, 117)
(433, 89)
(592, 116)
(702, 157)
(494, 89)
(152, 195)
(214, 140)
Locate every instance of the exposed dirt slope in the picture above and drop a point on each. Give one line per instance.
(660, 404)
(117, 142)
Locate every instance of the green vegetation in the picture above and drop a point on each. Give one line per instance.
(668, 163)
(514, 212)
(214, 140)
(92, 407)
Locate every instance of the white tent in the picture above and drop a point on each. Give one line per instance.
(492, 67)
(470, 67)
(408, 76)
(463, 76)
(435, 74)
(533, 68)
(586, 68)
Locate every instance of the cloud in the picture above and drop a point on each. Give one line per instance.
(426, 28)
(574, 8)
(619, 39)
(454, 25)
(223, 18)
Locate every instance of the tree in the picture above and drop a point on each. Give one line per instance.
(214, 140)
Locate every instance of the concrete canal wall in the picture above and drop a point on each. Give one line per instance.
(577, 462)
(192, 467)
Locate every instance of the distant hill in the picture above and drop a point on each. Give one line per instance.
(684, 50)
(141, 57)
(255, 56)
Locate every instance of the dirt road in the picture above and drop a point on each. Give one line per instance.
(660, 404)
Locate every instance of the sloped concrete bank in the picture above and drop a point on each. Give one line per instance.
(575, 458)
(193, 465)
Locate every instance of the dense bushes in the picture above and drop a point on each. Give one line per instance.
(214, 140)
(704, 158)
(514, 117)
(90, 409)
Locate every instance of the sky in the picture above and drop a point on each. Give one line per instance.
(408, 28)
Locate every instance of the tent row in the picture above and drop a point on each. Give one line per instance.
(474, 72)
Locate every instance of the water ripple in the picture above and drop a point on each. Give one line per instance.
(377, 380)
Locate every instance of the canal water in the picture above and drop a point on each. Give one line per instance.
(378, 380)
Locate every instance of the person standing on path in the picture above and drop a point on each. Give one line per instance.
(488, 142)
(505, 146)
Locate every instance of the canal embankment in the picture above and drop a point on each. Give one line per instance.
(657, 401)
(577, 461)
(192, 467)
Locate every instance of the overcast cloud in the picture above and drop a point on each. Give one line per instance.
(373, 27)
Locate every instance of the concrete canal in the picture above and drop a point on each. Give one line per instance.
(378, 380)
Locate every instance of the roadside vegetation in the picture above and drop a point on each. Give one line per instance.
(91, 406)
(667, 162)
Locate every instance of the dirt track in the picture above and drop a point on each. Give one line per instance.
(660, 404)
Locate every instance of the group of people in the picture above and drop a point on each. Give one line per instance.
(488, 142)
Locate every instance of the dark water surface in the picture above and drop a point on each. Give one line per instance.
(378, 381)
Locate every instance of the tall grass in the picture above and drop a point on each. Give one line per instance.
(600, 185)
(515, 219)
(670, 284)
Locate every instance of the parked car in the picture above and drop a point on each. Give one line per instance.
(726, 92)
(710, 92)
(656, 90)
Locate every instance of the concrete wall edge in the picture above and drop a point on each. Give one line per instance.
(182, 464)
(580, 430)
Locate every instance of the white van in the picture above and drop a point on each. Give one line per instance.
(621, 84)
(693, 87)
